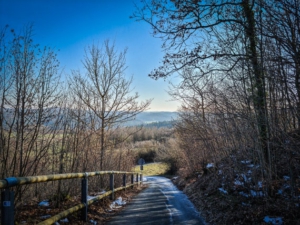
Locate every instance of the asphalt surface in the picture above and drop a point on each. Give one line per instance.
(161, 203)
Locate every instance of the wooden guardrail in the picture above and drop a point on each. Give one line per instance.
(7, 196)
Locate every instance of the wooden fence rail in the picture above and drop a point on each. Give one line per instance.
(7, 196)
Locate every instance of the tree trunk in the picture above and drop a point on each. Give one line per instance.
(259, 79)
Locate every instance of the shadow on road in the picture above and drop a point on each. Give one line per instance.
(161, 203)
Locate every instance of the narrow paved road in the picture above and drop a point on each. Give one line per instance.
(161, 203)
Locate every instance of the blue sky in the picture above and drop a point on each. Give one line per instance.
(72, 25)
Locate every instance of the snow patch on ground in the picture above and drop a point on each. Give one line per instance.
(210, 165)
(93, 222)
(65, 220)
(244, 194)
(223, 191)
(45, 216)
(90, 197)
(246, 204)
(118, 203)
(238, 183)
(273, 220)
(44, 203)
(256, 193)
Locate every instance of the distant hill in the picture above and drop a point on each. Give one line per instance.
(153, 117)
(165, 124)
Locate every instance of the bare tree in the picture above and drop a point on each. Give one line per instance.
(282, 26)
(106, 91)
(239, 64)
(29, 92)
(30, 102)
(213, 38)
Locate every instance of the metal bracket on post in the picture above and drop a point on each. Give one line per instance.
(84, 194)
(7, 202)
(111, 186)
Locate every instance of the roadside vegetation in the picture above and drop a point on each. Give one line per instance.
(237, 135)
(235, 144)
(50, 125)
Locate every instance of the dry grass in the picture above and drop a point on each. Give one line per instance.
(153, 169)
